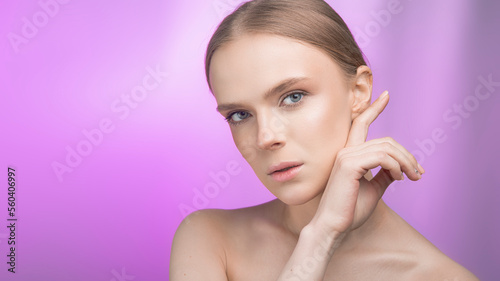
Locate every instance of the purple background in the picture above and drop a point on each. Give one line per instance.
(114, 215)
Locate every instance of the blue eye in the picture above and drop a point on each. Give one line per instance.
(293, 98)
(237, 116)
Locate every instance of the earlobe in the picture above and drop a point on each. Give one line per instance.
(361, 91)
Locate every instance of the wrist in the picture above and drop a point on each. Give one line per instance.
(329, 226)
(325, 239)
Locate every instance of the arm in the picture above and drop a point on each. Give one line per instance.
(312, 254)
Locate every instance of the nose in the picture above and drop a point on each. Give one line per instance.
(270, 135)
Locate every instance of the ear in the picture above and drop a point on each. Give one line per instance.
(361, 91)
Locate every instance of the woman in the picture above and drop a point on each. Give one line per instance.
(295, 90)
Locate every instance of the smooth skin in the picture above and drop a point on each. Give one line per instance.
(328, 222)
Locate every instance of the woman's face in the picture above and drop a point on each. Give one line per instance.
(287, 104)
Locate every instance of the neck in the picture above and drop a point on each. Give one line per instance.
(296, 217)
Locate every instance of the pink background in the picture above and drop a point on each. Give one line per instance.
(71, 67)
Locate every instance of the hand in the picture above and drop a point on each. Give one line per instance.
(350, 198)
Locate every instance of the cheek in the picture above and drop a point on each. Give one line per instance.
(243, 141)
(324, 131)
(325, 126)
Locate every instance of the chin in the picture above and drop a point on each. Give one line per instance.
(297, 194)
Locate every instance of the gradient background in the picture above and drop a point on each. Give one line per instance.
(114, 215)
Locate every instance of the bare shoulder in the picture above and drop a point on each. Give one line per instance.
(429, 262)
(196, 253)
(432, 264)
(207, 219)
(199, 247)
(442, 268)
(220, 222)
(435, 265)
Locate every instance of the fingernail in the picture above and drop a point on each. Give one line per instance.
(384, 95)
(418, 173)
(402, 176)
(420, 169)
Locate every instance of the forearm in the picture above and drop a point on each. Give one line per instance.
(311, 256)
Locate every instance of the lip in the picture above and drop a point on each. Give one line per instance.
(281, 176)
(281, 166)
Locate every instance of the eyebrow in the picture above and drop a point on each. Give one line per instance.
(280, 87)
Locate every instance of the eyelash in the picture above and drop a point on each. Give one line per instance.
(234, 123)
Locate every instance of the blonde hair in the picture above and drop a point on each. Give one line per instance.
(309, 21)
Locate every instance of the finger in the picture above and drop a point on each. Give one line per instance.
(381, 181)
(390, 169)
(359, 129)
(407, 166)
(374, 159)
(406, 160)
(417, 167)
